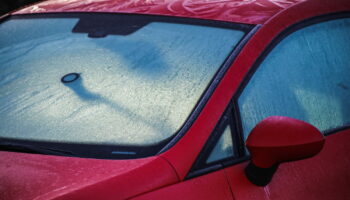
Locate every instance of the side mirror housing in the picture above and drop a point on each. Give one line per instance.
(280, 139)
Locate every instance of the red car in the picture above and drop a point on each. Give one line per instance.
(175, 99)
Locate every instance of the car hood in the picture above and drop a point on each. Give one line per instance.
(34, 176)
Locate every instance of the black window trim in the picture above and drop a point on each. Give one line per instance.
(199, 168)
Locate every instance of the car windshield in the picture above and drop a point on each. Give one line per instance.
(105, 79)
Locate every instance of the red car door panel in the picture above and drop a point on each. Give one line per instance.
(210, 186)
(325, 176)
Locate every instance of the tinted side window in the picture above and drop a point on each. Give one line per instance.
(306, 76)
(223, 148)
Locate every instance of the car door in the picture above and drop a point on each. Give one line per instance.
(304, 74)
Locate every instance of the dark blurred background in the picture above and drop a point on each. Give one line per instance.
(9, 5)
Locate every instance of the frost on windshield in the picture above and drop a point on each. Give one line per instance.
(134, 89)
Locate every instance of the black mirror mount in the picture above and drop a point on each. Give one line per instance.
(260, 176)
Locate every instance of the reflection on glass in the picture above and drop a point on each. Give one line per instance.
(133, 89)
(224, 148)
(306, 77)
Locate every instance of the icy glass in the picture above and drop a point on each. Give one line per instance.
(224, 148)
(133, 90)
(306, 76)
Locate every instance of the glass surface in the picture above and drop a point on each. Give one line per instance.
(132, 89)
(224, 148)
(306, 76)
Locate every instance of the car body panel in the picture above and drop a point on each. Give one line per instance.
(31, 176)
(251, 12)
(34, 176)
(325, 176)
(230, 83)
(210, 186)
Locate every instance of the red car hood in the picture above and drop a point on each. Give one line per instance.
(34, 176)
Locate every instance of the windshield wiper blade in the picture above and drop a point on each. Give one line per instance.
(25, 148)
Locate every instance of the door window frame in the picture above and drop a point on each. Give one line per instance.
(232, 111)
(288, 31)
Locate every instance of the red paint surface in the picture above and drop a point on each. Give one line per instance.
(295, 132)
(41, 177)
(323, 177)
(242, 188)
(25, 176)
(213, 186)
(249, 11)
(216, 105)
(279, 139)
(326, 176)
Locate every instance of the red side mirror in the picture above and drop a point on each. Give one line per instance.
(280, 139)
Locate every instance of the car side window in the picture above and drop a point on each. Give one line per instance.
(223, 148)
(306, 76)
